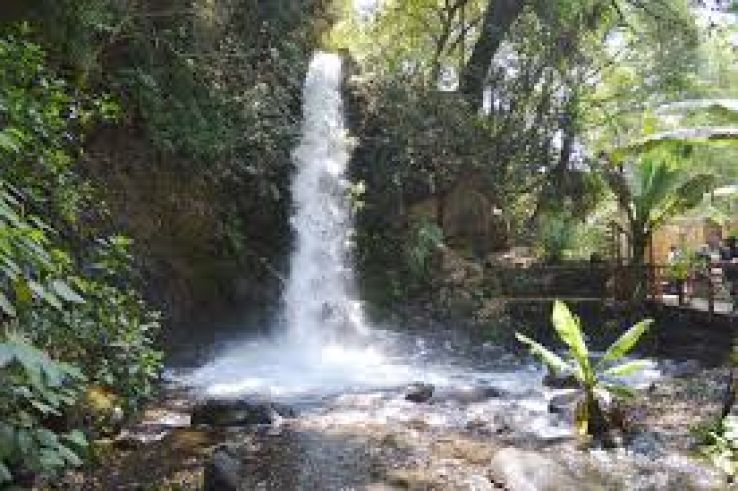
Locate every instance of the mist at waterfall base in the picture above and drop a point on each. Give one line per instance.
(322, 345)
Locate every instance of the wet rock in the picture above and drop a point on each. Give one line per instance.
(522, 470)
(558, 381)
(564, 404)
(683, 369)
(223, 472)
(470, 395)
(217, 412)
(128, 442)
(648, 443)
(419, 392)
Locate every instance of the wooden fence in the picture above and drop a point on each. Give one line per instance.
(708, 289)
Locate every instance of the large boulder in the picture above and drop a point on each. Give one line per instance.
(237, 412)
(523, 470)
(223, 472)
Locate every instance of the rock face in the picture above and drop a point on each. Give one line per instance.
(222, 472)
(419, 392)
(522, 470)
(217, 412)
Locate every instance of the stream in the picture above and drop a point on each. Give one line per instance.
(489, 418)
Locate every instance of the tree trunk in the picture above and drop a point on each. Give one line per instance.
(500, 15)
(730, 395)
(638, 264)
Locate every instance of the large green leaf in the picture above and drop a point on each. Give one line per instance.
(627, 368)
(69, 456)
(63, 290)
(569, 330)
(76, 438)
(43, 293)
(625, 343)
(619, 390)
(6, 306)
(549, 357)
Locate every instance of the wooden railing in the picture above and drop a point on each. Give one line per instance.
(707, 289)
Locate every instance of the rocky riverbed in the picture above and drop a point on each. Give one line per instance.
(492, 433)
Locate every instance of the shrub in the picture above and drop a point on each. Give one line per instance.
(34, 390)
(592, 374)
(719, 444)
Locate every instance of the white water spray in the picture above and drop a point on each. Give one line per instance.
(318, 301)
(317, 351)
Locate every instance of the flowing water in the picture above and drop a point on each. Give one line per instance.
(324, 358)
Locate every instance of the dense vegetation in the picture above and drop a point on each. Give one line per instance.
(146, 151)
(575, 93)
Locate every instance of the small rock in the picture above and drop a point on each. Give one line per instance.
(648, 443)
(556, 381)
(419, 392)
(683, 369)
(127, 442)
(564, 404)
(217, 412)
(470, 395)
(222, 472)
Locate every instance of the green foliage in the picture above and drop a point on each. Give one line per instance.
(34, 390)
(719, 444)
(555, 235)
(112, 335)
(656, 191)
(72, 299)
(594, 375)
(428, 238)
(44, 120)
(682, 266)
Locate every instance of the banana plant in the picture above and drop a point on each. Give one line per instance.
(594, 375)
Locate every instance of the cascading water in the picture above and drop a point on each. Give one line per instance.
(316, 350)
(318, 302)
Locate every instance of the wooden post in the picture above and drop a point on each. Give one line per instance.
(710, 293)
(651, 271)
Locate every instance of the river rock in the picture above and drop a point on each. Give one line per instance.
(649, 444)
(223, 472)
(682, 369)
(559, 381)
(523, 470)
(564, 404)
(469, 395)
(419, 392)
(217, 412)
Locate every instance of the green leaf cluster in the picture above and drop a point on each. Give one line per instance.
(595, 376)
(33, 391)
(70, 298)
(719, 444)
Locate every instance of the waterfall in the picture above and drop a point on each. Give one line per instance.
(318, 302)
(325, 345)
